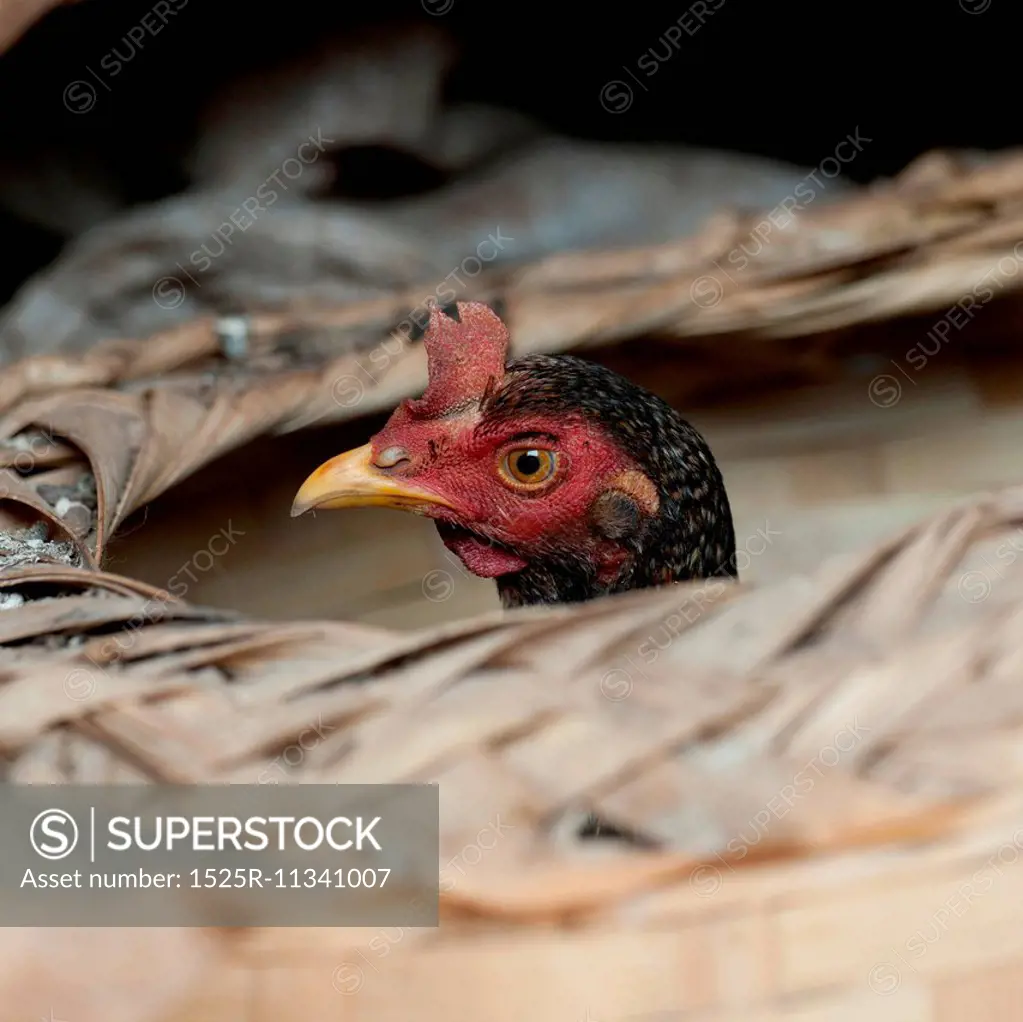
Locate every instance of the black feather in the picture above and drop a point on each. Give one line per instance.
(692, 536)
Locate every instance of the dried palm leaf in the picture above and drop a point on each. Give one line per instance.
(721, 728)
(761, 735)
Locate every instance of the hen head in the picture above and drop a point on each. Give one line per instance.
(552, 474)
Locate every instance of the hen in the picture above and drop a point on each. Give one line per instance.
(551, 474)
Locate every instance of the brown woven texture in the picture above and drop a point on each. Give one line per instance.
(901, 658)
(889, 679)
(944, 228)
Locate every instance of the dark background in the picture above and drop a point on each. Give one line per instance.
(786, 80)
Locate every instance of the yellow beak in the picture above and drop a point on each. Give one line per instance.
(352, 480)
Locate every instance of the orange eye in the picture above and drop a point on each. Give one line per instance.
(528, 467)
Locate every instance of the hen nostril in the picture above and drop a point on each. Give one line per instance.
(390, 457)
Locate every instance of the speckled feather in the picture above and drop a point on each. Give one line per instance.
(691, 537)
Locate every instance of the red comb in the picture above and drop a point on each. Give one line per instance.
(466, 348)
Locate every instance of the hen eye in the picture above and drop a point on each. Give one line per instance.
(528, 466)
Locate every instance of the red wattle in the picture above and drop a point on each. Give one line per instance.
(482, 558)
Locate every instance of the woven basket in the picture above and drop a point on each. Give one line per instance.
(821, 770)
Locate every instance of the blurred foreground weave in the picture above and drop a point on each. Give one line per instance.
(809, 770)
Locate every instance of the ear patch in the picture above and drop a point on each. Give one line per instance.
(615, 514)
(640, 488)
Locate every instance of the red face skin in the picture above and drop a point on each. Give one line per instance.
(463, 468)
